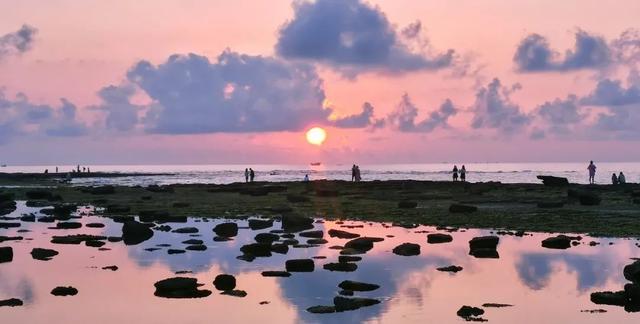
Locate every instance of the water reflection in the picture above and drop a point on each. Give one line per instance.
(544, 285)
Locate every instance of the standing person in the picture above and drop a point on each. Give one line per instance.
(251, 174)
(78, 168)
(353, 173)
(455, 173)
(358, 177)
(463, 174)
(592, 172)
(88, 170)
(621, 178)
(306, 178)
(246, 175)
(614, 179)
(56, 169)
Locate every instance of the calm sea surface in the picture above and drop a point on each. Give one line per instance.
(476, 172)
(543, 285)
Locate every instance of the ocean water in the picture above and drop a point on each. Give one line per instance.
(219, 173)
(543, 285)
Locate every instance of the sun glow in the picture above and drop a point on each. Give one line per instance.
(316, 136)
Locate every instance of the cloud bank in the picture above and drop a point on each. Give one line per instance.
(17, 42)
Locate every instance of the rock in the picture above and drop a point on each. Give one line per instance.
(341, 266)
(342, 234)
(632, 291)
(557, 242)
(117, 209)
(345, 304)
(552, 181)
(152, 249)
(175, 251)
(46, 219)
(180, 287)
(197, 247)
(68, 225)
(193, 242)
(221, 239)
(300, 265)
(258, 224)
(224, 282)
(95, 225)
(226, 229)
(484, 242)
(468, 311)
(484, 253)
(10, 238)
(317, 241)
(496, 305)
(76, 239)
(185, 230)
(43, 254)
(362, 244)
(7, 225)
(276, 274)
(632, 272)
(589, 199)
(293, 198)
(12, 302)
(114, 239)
(321, 309)
(6, 254)
(349, 258)
(296, 223)
(64, 291)
(451, 268)
(257, 249)
(407, 204)
(312, 234)
(280, 248)
(459, 208)
(234, 293)
(266, 238)
(407, 249)
(135, 233)
(351, 251)
(112, 268)
(437, 238)
(617, 298)
(357, 286)
(28, 218)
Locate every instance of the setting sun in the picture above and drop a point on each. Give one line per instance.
(316, 136)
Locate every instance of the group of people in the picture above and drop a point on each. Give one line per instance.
(355, 173)
(76, 170)
(615, 179)
(619, 179)
(249, 175)
(462, 171)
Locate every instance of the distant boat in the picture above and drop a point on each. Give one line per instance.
(315, 163)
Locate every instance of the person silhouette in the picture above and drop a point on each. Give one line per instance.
(251, 174)
(592, 172)
(463, 174)
(306, 178)
(614, 179)
(621, 178)
(455, 173)
(353, 173)
(246, 175)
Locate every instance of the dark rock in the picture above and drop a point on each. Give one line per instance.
(175, 251)
(468, 311)
(266, 238)
(46, 219)
(258, 224)
(117, 209)
(349, 258)
(76, 239)
(257, 249)
(224, 282)
(312, 234)
(68, 225)
(557, 242)
(345, 304)
(357, 286)
(362, 244)
(317, 241)
(484, 242)
(6, 254)
(185, 230)
(122, 219)
(9, 225)
(632, 291)
(197, 247)
(407, 204)
(407, 249)
(437, 238)
(451, 268)
(296, 223)
(351, 251)
(234, 293)
(321, 309)
(342, 234)
(10, 238)
(632, 272)
(193, 242)
(135, 233)
(280, 248)
(95, 225)
(300, 265)
(293, 198)
(496, 305)
(112, 268)
(12, 302)
(589, 199)
(459, 208)
(28, 218)
(43, 254)
(618, 298)
(114, 239)
(226, 229)
(483, 253)
(341, 266)
(180, 287)
(276, 274)
(152, 249)
(64, 291)
(552, 181)
(290, 242)
(221, 239)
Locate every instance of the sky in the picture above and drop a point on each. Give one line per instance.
(391, 81)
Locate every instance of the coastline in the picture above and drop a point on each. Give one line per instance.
(515, 207)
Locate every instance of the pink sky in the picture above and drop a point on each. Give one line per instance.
(82, 46)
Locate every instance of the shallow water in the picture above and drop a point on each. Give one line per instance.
(545, 286)
(477, 172)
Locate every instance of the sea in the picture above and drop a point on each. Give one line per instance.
(229, 173)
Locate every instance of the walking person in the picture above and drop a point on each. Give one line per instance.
(592, 173)
(455, 173)
(246, 175)
(463, 174)
(251, 174)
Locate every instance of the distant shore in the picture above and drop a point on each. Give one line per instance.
(596, 209)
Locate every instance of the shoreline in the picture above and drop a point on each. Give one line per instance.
(514, 207)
